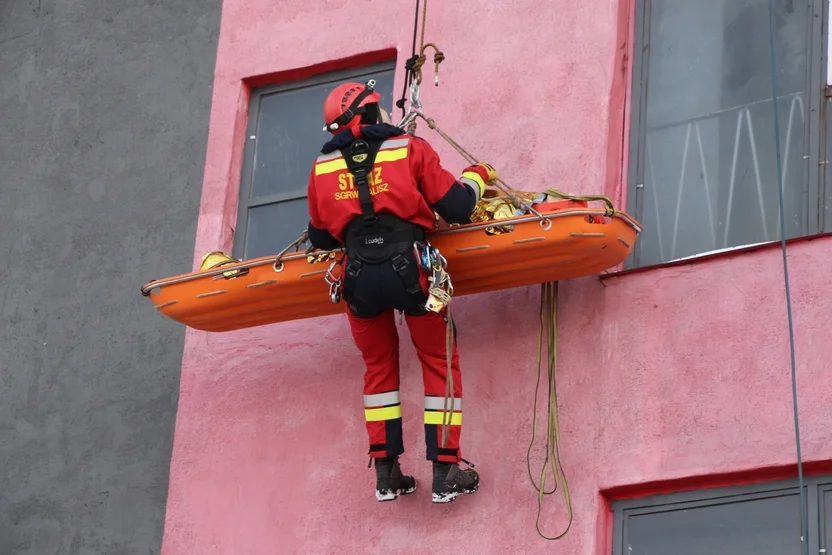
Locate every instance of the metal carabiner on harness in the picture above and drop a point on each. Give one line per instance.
(334, 283)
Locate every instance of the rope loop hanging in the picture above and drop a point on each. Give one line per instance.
(421, 59)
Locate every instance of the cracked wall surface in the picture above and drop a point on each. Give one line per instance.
(104, 111)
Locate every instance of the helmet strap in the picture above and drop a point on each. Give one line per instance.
(353, 109)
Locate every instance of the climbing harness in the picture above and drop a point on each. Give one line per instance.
(375, 238)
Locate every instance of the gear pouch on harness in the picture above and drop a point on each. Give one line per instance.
(381, 241)
(378, 238)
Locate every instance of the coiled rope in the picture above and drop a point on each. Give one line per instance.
(551, 461)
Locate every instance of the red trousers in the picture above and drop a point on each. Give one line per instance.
(378, 341)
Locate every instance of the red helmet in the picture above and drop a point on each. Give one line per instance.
(345, 104)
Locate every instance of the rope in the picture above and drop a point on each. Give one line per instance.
(548, 320)
(471, 159)
(448, 403)
(803, 519)
(609, 208)
(438, 58)
(408, 76)
(442, 289)
(278, 263)
(416, 62)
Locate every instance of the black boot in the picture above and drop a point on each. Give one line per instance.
(449, 481)
(390, 482)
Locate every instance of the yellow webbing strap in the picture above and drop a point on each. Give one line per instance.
(549, 321)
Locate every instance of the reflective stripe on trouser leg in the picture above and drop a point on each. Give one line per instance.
(383, 413)
(378, 342)
(428, 334)
(434, 419)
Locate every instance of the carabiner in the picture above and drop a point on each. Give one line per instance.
(328, 277)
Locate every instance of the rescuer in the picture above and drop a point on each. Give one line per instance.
(374, 190)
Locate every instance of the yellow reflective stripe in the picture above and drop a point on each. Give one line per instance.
(329, 167)
(475, 177)
(435, 417)
(391, 155)
(341, 164)
(384, 413)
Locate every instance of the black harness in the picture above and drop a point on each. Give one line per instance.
(377, 238)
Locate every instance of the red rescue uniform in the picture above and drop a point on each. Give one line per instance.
(408, 181)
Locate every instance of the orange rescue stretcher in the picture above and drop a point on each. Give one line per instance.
(571, 240)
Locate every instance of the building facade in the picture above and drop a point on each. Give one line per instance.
(673, 376)
(677, 431)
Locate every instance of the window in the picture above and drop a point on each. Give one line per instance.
(702, 167)
(759, 519)
(283, 138)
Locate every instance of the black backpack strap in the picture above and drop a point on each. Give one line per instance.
(409, 273)
(360, 157)
(375, 239)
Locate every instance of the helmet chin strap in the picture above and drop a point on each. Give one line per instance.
(353, 109)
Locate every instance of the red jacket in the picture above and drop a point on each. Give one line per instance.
(407, 180)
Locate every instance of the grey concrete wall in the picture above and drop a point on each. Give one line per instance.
(104, 109)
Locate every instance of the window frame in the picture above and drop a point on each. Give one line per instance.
(814, 486)
(814, 139)
(245, 202)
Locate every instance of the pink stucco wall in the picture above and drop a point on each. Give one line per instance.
(664, 375)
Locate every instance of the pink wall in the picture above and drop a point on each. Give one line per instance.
(664, 375)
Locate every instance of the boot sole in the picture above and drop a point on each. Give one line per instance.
(393, 495)
(450, 497)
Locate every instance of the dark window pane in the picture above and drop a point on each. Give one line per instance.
(273, 226)
(769, 526)
(709, 175)
(290, 136)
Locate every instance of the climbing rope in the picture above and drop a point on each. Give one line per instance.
(443, 292)
(551, 461)
(278, 261)
(804, 531)
(448, 402)
(413, 72)
(417, 62)
(408, 121)
(408, 76)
